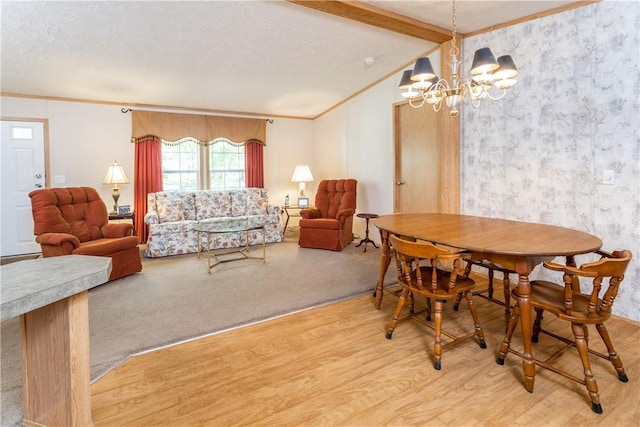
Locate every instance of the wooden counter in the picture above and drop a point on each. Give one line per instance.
(50, 295)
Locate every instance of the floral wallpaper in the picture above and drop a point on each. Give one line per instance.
(539, 153)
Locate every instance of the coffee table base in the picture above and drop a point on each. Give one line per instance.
(243, 251)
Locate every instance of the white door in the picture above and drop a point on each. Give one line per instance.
(23, 170)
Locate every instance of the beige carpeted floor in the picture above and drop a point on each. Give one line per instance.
(174, 299)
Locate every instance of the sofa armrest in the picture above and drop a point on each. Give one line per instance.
(310, 213)
(151, 218)
(344, 214)
(273, 210)
(58, 239)
(117, 230)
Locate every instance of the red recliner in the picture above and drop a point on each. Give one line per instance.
(75, 221)
(329, 224)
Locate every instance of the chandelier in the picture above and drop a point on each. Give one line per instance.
(490, 78)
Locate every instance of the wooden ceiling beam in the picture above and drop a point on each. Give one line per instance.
(368, 14)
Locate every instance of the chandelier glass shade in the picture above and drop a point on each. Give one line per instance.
(491, 78)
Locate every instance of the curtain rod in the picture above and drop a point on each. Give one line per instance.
(128, 110)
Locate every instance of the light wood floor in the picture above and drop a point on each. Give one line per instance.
(332, 366)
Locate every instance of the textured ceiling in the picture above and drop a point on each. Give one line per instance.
(254, 57)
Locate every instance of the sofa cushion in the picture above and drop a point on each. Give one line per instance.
(249, 201)
(175, 206)
(213, 204)
(178, 227)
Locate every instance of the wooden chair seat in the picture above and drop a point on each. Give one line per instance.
(569, 304)
(550, 297)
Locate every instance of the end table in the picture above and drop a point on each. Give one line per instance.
(367, 217)
(114, 216)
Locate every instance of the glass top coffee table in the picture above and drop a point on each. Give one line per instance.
(227, 226)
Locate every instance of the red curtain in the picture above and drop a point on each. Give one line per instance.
(253, 163)
(147, 179)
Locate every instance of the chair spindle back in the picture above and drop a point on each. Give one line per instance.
(611, 265)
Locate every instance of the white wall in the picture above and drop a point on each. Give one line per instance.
(289, 143)
(84, 138)
(355, 141)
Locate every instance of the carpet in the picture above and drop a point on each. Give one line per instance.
(173, 299)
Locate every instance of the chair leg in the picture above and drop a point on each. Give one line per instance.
(613, 356)
(396, 316)
(456, 303)
(490, 287)
(537, 325)
(437, 346)
(590, 381)
(506, 287)
(411, 303)
(506, 343)
(476, 322)
(467, 272)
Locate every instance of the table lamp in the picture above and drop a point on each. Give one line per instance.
(115, 175)
(302, 174)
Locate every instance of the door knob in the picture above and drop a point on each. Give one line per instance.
(38, 176)
(400, 183)
(38, 185)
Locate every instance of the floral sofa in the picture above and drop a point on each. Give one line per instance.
(172, 216)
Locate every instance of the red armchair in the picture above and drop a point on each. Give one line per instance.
(75, 221)
(329, 225)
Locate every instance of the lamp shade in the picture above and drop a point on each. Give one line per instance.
(483, 62)
(423, 70)
(115, 175)
(406, 82)
(302, 173)
(506, 68)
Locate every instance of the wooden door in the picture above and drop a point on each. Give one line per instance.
(427, 171)
(417, 147)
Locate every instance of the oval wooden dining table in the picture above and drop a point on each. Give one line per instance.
(515, 245)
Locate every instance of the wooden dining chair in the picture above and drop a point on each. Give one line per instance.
(420, 272)
(568, 303)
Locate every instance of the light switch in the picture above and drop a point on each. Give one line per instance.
(608, 177)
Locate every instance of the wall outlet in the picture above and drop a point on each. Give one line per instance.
(59, 179)
(608, 177)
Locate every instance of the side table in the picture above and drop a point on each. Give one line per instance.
(114, 216)
(285, 210)
(367, 217)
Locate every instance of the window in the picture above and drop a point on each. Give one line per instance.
(180, 165)
(186, 165)
(226, 164)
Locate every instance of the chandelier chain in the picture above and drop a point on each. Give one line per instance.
(454, 51)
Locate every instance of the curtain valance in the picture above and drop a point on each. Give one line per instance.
(203, 128)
